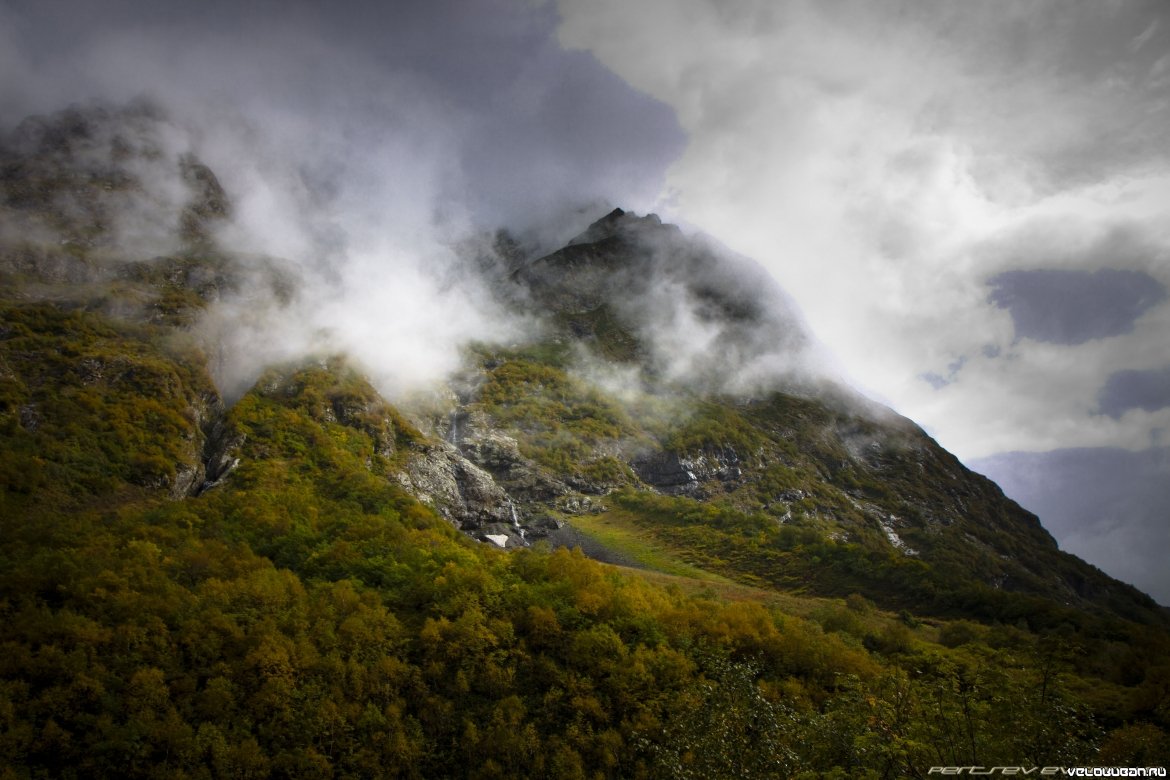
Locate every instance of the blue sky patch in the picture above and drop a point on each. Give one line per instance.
(1072, 307)
(1125, 390)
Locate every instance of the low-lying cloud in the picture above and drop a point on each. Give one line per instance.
(313, 273)
(699, 316)
(885, 162)
(358, 144)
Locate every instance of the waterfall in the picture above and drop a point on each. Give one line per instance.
(516, 520)
(453, 428)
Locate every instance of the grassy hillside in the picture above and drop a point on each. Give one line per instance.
(309, 582)
(790, 491)
(307, 617)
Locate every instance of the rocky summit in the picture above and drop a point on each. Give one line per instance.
(653, 537)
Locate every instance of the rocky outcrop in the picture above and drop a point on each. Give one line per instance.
(686, 474)
(367, 414)
(470, 498)
(208, 203)
(221, 453)
(477, 478)
(466, 495)
(499, 454)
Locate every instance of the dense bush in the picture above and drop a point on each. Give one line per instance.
(309, 618)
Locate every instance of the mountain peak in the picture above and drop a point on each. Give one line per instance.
(188, 580)
(683, 307)
(618, 222)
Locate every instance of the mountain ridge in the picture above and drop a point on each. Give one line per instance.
(313, 579)
(720, 386)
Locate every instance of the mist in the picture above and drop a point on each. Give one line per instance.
(359, 150)
(361, 269)
(680, 312)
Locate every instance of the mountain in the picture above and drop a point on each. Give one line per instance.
(1104, 504)
(738, 418)
(656, 538)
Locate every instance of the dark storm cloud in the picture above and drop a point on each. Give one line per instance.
(1105, 505)
(1125, 390)
(1072, 307)
(359, 143)
(524, 125)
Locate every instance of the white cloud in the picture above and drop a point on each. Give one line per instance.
(357, 143)
(379, 279)
(1144, 36)
(883, 163)
(342, 174)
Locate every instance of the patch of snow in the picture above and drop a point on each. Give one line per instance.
(499, 539)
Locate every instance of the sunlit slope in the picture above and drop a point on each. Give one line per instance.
(732, 442)
(302, 612)
(308, 580)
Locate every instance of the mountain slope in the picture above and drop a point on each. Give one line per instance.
(1109, 507)
(278, 586)
(742, 427)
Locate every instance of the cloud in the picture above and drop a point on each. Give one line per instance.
(360, 143)
(524, 126)
(885, 162)
(1144, 36)
(698, 316)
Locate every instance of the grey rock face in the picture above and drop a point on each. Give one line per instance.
(499, 455)
(30, 417)
(187, 480)
(221, 442)
(208, 203)
(221, 456)
(477, 478)
(676, 474)
(460, 491)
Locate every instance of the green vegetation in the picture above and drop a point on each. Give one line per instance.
(794, 493)
(87, 406)
(307, 617)
(559, 420)
(191, 591)
(644, 550)
(602, 333)
(712, 425)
